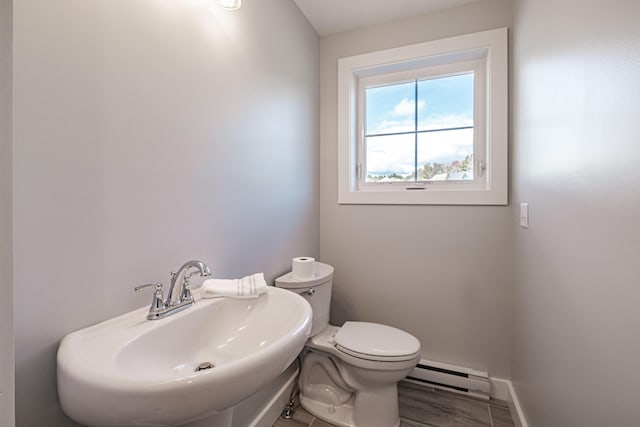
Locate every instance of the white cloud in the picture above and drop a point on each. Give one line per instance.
(434, 122)
(444, 147)
(392, 126)
(387, 154)
(407, 107)
(390, 154)
(447, 121)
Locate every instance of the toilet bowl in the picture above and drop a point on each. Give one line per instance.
(349, 374)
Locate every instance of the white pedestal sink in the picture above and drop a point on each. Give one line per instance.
(129, 371)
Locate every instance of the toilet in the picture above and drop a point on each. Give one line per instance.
(349, 374)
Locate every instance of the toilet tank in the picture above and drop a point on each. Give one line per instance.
(316, 291)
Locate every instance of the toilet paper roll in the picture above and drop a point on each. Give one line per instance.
(303, 268)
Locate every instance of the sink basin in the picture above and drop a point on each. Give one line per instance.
(129, 371)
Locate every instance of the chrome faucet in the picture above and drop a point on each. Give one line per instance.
(185, 291)
(160, 307)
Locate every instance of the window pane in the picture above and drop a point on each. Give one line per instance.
(445, 155)
(445, 102)
(390, 158)
(390, 109)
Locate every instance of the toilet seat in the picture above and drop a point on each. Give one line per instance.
(376, 342)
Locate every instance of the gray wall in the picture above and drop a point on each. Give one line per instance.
(6, 257)
(576, 133)
(440, 272)
(148, 133)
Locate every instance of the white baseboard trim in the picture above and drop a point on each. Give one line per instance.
(503, 390)
(500, 389)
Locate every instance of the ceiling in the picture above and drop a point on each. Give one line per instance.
(335, 16)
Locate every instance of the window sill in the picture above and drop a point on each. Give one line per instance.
(428, 196)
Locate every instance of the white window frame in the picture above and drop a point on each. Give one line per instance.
(484, 53)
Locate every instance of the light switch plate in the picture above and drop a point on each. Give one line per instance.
(524, 215)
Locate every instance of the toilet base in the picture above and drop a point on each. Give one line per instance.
(337, 415)
(341, 416)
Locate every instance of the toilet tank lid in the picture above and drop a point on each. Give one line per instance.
(374, 339)
(323, 273)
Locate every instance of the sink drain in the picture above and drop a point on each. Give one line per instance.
(204, 366)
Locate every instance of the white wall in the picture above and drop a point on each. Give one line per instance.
(148, 133)
(440, 272)
(576, 133)
(6, 257)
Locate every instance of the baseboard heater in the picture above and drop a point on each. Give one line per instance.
(452, 378)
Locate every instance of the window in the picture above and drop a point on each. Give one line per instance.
(420, 130)
(425, 124)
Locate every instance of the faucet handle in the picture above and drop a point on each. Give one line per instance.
(158, 287)
(157, 304)
(185, 294)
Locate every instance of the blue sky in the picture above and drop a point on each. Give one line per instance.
(442, 103)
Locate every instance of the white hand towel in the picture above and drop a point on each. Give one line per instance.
(248, 287)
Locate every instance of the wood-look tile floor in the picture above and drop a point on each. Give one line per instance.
(422, 406)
